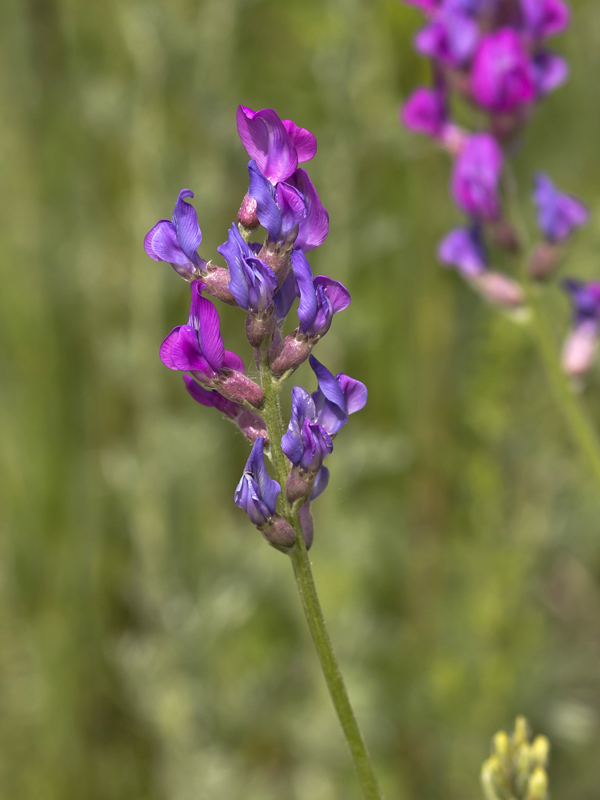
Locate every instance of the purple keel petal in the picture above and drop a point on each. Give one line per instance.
(336, 292)
(285, 296)
(231, 360)
(354, 391)
(304, 141)
(234, 250)
(314, 227)
(186, 224)
(307, 308)
(320, 484)
(209, 398)
(292, 207)
(269, 489)
(263, 192)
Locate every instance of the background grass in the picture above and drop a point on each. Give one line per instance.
(151, 644)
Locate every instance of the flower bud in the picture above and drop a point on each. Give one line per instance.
(216, 283)
(240, 388)
(544, 260)
(492, 779)
(279, 533)
(579, 349)
(502, 745)
(499, 289)
(259, 326)
(278, 259)
(504, 235)
(247, 214)
(251, 425)
(522, 732)
(540, 750)
(538, 785)
(299, 485)
(293, 351)
(306, 521)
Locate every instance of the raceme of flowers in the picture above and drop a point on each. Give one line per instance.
(495, 57)
(264, 278)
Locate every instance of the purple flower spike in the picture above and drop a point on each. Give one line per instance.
(252, 282)
(256, 493)
(503, 76)
(425, 112)
(580, 347)
(336, 398)
(476, 176)
(198, 347)
(451, 38)
(305, 442)
(545, 18)
(177, 240)
(558, 213)
(463, 248)
(276, 145)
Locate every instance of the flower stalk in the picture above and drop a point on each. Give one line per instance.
(271, 412)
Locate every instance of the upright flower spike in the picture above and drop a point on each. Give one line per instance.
(476, 177)
(176, 241)
(579, 349)
(256, 494)
(197, 348)
(336, 398)
(503, 76)
(463, 249)
(558, 215)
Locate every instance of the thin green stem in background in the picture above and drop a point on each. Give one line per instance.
(582, 431)
(308, 592)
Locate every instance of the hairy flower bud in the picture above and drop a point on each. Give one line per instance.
(293, 351)
(259, 326)
(279, 533)
(278, 258)
(544, 260)
(499, 289)
(240, 388)
(216, 281)
(299, 485)
(247, 213)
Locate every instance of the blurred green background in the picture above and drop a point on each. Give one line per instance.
(151, 644)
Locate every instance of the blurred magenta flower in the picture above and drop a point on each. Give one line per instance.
(503, 77)
(581, 343)
(476, 176)
(463, 248)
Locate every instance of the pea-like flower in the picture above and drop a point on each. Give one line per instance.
(476, 177)
(305, 443)
(503, 77)
(252, 282)
(558, 214)
(544, 18)
(450, 38)
(249, 423)
(581, 344)
(197, 348)
(256, 494)
(336, 398)
(463, 248)
(177, 240)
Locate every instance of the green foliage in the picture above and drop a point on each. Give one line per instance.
(151, 644)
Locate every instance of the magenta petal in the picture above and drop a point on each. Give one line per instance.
(209, 334)
(304, 141)
(354, 391)
(254, 135)
(166, 348)
(335, 291)
(314, 227)
(232, 361)
(267, 141)
(186, 353)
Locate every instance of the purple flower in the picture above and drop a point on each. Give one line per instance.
(176, 241)
(543, 18)
(314, 227)
(336, 398)
(279, 208)
(427, 6)
(451, 38)
(252, 282)
(580, 346)
(558, 213)
(425, 111)
(305, 443)
(550, 71)
(476, 176)
(198, 347)
(320, 297)
(277, 146)
(250, 424)
(503, 76)
(256, 493)
(463, 248)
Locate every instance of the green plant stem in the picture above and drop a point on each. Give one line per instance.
(308, 593)
(582, 431)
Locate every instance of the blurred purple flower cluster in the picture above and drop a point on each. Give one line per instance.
(493, 56)
(263, 278)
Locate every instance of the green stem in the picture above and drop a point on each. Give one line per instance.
(582, 431)
(308, 593)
